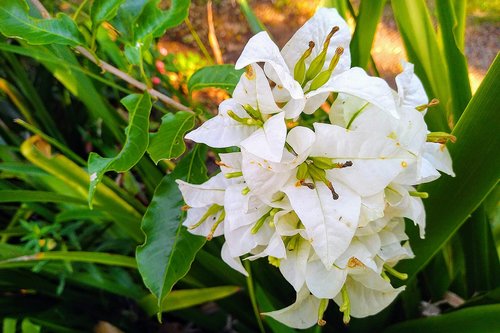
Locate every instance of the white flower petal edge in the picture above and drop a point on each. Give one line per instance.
(268, 142)
(410, 90)
(316, 29)
(301, 314)
(222, 131)
(260, 48)
(357, 83)
(368, 293)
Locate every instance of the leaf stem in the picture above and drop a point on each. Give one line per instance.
(198, 40)
(116, 72)
(253, 299)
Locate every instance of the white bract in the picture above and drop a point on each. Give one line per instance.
(325, 200)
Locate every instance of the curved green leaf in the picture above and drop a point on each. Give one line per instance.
(37, 196)
(217, 76)
(154, 21)
(15, 22)
(181, 299)
(469, 320)
(77, 256)
(477, 165)
(139, 108)
(370, 13)
(455, 58)
(104, 10)
(169, 249)
(168, 141)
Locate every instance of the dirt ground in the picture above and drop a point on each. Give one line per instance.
(283, 17)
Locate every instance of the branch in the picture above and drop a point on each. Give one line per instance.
(115, 71)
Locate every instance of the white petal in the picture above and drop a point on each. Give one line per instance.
(322, 282)
(368, 294)
(357, 83)
(293, 108)
(301, 314)
(294, 266)
(230, 162)
(439, 157)
(314, 102)
(275, 248)
(361, 252)
(268, 142)
(316, 29)
(410, 90)
(376, 159)
(210, 192)
(255, 90)
(330, 224)
(222, 131)
(193, 217)
(301, 139)
(234, 263)
(260, 48)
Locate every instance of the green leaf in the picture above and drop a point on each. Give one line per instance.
(169, 249)
(9, 325)
(415, 25)
(104, 10)
(168, 142)
(28, 327)
(476, 163)
(455, 58)
(37, 196)
(369, 15)
(255, 24)
(154, 21)
(469, 320)
(478, 246)
(182, 299)
(91, 257)
(218, 76)
(139, 108)
(15, 22)
(77, 181)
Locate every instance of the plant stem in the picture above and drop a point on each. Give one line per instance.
(115, 71)
(198, 41)
(253, 299)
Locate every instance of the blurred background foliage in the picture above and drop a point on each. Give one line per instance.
(67, 268)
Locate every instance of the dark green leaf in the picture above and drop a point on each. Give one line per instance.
(218, 76)
(154, 21)
(15, 22)
(476, 163)
(139, 108)
(169, 249)
(104, 10)
(470, 320)
(168, 142)
(28, 327)
(37, 196)
(455, 58)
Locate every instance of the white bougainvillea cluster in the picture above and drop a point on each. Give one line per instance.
(324, 202)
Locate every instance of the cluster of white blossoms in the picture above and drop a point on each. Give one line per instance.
(324, 202)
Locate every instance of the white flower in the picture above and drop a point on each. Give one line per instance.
(205, 213)
(301, 314)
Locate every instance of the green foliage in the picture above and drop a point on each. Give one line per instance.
(139, 108)
(15, 21)
(104, 10)
(168, 141)
(169, 249)
(58, 256)
(218, 76)
(476, 319)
